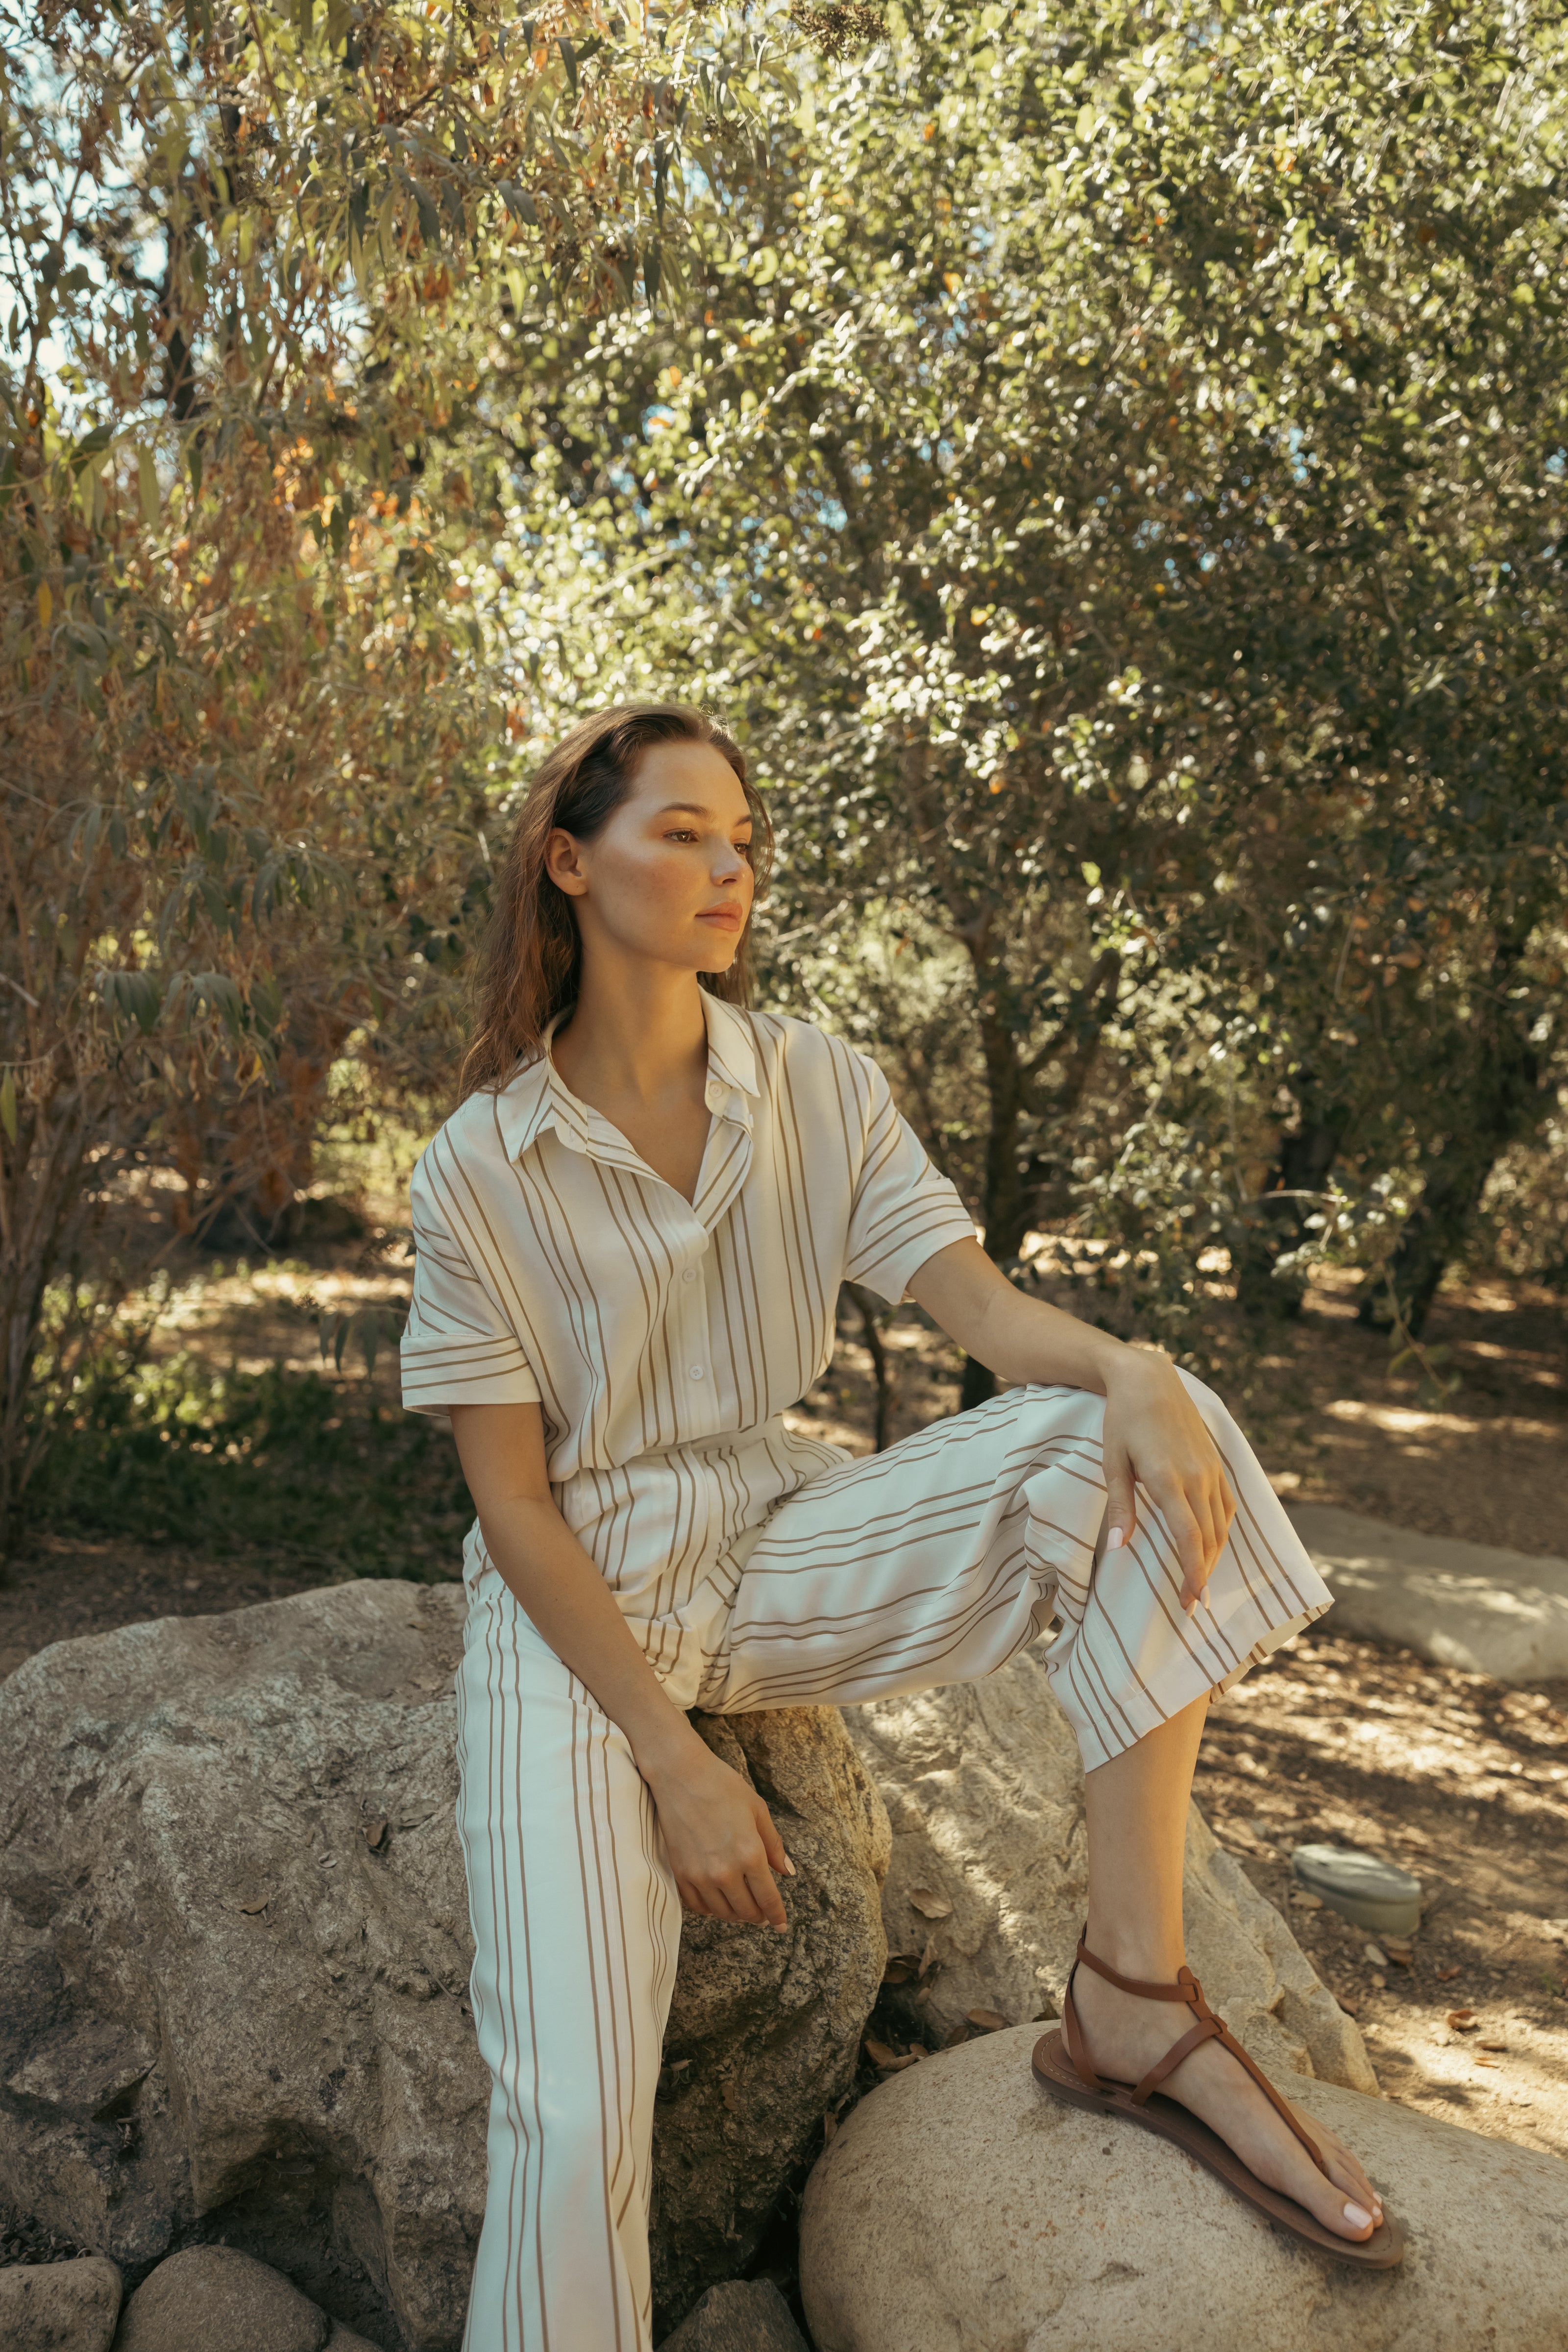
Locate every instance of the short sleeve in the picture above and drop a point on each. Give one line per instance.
(458, 1346)
(903, 1209)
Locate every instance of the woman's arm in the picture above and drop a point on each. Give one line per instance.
(1155, 1434)
(719, 1834)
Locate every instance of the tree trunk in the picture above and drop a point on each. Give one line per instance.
(1011, 1193)
(1305, 1157)
(1497, 1099)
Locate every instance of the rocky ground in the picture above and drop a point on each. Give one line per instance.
(1464, 1782)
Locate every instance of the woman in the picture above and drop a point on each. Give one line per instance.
(631, 1236)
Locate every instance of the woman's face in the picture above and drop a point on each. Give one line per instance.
(668, 876)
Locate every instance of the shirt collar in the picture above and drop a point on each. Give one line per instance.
(538, 1096)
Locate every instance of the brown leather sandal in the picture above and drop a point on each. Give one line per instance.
(1061, 2064)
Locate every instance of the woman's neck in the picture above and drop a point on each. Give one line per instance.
(636, 1035)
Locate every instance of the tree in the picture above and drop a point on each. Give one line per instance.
(243, 725)
(1116, 479)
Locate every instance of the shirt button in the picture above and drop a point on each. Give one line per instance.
(689, 1274)
(697, 1372)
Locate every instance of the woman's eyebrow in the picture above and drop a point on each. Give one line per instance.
(695, 808)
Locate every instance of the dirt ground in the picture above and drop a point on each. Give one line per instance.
(1461, 1781)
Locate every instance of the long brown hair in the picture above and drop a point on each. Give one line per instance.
(533, 954)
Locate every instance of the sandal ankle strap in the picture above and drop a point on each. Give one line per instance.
(1186, 1987)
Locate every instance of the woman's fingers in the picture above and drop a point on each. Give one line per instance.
(1120, 1507)
(746, 1893)
(1188, 1535)
(768, 1901)
(772, 1845)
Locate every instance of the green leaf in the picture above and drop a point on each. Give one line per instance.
(147, 487)
(8, 1105)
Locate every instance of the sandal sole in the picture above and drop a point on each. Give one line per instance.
(1055, 2072)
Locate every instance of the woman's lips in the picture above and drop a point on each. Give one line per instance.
(727, 918)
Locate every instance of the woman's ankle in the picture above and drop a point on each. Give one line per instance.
(1145, 1955)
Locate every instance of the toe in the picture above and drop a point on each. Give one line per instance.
(1345, 2201)
(1345, 2169)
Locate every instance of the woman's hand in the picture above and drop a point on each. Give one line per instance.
(1155, 1437)
(719, 1837)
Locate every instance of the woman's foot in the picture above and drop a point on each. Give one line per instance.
(1124, 2036)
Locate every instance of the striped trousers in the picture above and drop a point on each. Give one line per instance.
(934, 1562)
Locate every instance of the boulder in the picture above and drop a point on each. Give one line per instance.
(748, 2316)
(234, 1954)
(223, 2301)
(765, 2030)
(1474, 1606)
(60, 2306)
(986, 1885)
(960, 2205)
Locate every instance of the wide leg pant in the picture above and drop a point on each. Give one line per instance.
(931, 1563)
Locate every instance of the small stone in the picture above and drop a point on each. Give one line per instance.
(222, 2300)
(744, 2316)
(1364, 1889)
(343, 2339)
(60, 2306)
(1376, 1955)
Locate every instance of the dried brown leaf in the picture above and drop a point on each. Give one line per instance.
(1462, 2020)
(1491, 2045)
(929, 1904)
(880, 2055)
(374, 1833)
(259, 1903)
(989, 2021)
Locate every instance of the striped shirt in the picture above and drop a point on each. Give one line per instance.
(664, 1340)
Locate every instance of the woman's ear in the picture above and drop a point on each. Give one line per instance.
(564, 863)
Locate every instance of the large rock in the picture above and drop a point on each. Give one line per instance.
(1475, 1606)
(748, 2316)
(984, 1791)
(60, 2306)
(223, 2301)
(765, 2029)
(234, 1954)
(960, 2205)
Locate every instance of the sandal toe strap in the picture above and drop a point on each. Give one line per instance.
(1207, 2029)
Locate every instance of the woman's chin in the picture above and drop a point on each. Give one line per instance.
(719, 949)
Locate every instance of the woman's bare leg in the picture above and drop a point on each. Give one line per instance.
(1137, 1815)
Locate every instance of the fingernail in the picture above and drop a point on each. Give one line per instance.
(1357, 2218)
(789, 1867)
(1115, 1540)
(1203, 1596)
